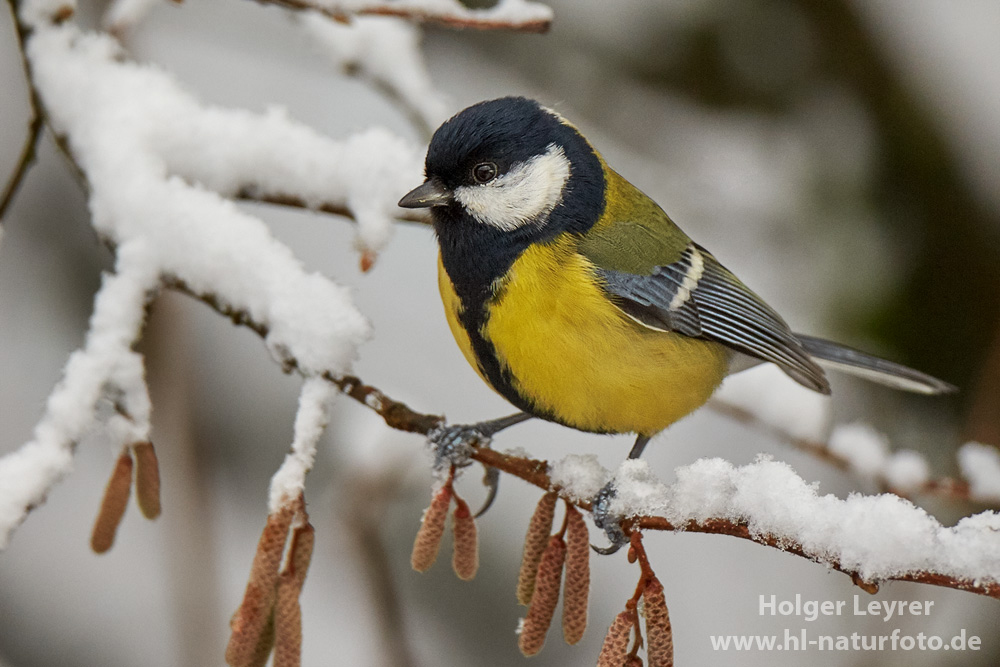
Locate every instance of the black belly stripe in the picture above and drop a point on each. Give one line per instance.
(475, 257)
(473, 321)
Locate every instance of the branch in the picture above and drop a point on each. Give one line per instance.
(35, 124)
(26, 159)
(943, 487)
(247, 194)
(359, 48)
(532, 17)
(741, 530)
(399, 416)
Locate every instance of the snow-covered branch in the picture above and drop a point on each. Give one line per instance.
(105, 373)
(521, 15)
(159, 167)
(870, 538)
(386, 52)
(800, 418)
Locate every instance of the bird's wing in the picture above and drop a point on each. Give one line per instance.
(696, 296)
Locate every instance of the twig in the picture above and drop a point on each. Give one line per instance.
(26, 159)
(740, 529)
(944, 487)
(35, 124)
(246, 194)
(422, 15)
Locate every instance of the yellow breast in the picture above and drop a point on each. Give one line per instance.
(574, 355)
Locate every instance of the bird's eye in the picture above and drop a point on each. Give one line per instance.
(484, 172)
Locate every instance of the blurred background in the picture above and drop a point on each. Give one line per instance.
(842, 157)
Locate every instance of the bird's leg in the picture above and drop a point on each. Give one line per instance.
(640, 444)
(601, 507)
(453, 446)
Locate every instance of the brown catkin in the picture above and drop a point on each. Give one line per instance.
(659, 637)
(147, 479)
(543, 602)
(534, 544)
(287, 626)
(577, 587)
(465, 559)
(287, 612)
(251, 622)
(428, 541)
(113, 505)
(615, 645)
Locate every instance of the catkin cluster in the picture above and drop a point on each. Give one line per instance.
(615, 651)
(465, 555)
(544, 559)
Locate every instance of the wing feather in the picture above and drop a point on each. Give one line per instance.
(698, 297)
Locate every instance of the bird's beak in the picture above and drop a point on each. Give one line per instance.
(432, 193)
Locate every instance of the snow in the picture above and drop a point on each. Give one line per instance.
(637, 490)
(864, 449)
(106, 367)
(387, 51)
(580, 476)
(159, 166)
(766, 392)
(907, 470)
(980, 465)
(878, 536)
(504, 10)
(310, 421)
(152, 154)
(123, 14)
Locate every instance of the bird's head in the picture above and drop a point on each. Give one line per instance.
(511, 165)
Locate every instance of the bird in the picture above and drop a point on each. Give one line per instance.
(579, 300)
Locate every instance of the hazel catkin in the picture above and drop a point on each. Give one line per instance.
(428, 540)
(543, 602)
(534, 544)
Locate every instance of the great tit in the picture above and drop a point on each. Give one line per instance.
(578, 299)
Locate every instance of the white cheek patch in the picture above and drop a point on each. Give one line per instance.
(524, 195)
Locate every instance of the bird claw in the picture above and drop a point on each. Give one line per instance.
(453, 444)
(491, 480)
(606, 521)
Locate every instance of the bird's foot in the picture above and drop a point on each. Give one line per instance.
(453, 445)
(607, 521)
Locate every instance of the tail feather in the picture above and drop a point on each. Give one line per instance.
(848, 360)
